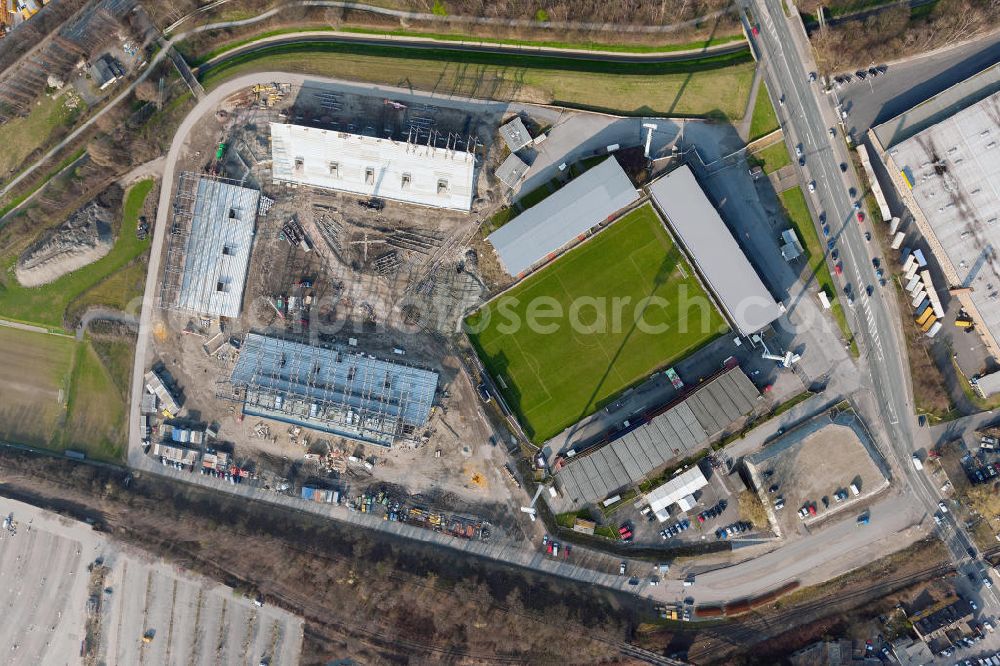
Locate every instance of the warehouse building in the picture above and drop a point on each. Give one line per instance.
(944, 159)
(369, 166)
(540, 232)
(721, 263)
(679, 490)
(209, 249)
(342, 391)
(673, 432)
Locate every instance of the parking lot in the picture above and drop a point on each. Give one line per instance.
(821, 468)
(716, 502)
(89, 596)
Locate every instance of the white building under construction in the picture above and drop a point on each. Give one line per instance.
(406, 171)
(208, 253)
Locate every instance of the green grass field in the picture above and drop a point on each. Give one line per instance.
(773, 157)
(55, 393)
(198, 59)
(47, 304)
(21, 136)
(795, 205)
(764, 120)
(553, 379)
(716, 86)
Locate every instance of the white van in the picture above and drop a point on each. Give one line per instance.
(855, 490)
(916, 462)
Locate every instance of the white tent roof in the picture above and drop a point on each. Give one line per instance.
(682, 485)
(370, 166)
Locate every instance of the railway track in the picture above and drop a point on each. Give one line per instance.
(746, 632)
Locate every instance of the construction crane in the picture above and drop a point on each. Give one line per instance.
(786, 361)
(530, 509)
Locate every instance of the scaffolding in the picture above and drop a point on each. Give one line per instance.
(332, 389)
(208, 245)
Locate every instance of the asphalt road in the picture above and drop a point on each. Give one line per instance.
(912, 81)
(472, 46)
(807, 114)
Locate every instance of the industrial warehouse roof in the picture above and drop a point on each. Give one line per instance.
(682, 485)
(954, 169)
(511, 171)
(551, 224)
(720, 261)
(338, 390)
(370, 166)
(677, 432)
(217, 252)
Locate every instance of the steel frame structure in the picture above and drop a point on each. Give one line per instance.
(292, 382)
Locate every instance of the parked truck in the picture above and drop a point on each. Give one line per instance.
(916, 462)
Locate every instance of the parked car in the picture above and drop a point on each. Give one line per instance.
(621, 568)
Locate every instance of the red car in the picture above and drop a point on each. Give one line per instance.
(861, 217)
(626, 536)
(549, 548)
(755, 31)
(812, 509)
(838, 268)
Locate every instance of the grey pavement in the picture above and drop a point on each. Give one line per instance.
(914, 80)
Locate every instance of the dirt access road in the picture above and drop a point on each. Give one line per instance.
(45, 585)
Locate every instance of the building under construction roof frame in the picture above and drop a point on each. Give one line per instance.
(333, 389)
(208, 249)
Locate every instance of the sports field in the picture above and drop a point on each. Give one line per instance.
(606, 315)
(55, 393)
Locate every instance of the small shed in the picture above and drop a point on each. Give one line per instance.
(515, 134)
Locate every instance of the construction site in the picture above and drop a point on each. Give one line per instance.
(307, 322)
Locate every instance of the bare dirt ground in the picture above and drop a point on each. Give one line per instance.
(812, 463)
(57, 604)
(399, 278)
(82, 239)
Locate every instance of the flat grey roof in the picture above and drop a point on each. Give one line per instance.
(719, 259)
(676, 433)
(217, 254)
(334, 389)
(511, 171)
(515, 134)
(954, 168)
(550, 225)
(946, 103)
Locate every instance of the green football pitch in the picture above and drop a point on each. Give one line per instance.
(605, 316)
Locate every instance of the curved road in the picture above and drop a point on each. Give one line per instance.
(405, 15)
(472, 46)
(417, 43)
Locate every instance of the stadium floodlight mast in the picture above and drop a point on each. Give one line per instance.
(649, 136)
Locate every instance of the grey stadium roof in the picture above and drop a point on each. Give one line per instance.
(218, 248)
(678, 432)
(551, 224)
(954, 167)
(720, 261)
(337, 390)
